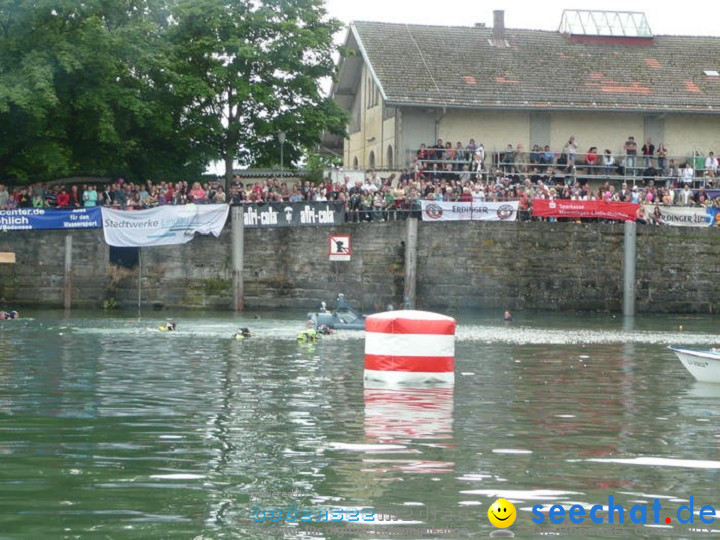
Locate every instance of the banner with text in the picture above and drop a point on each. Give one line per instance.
(293, 214)
(469, 211)
(164, 225)
(29, 219)
(684, 216)
(565, 208)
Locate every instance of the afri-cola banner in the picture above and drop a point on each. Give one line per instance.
(684, 216)
(469, 211)
(293, 214)
(565, 208)
(28, 219)
(164, 225)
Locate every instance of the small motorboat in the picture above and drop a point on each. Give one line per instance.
(343, 318)
(703, 365)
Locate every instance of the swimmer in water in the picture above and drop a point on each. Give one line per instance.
(167, 327)
(325, 329)
(309, 335)
(507, 317)
(243, 333)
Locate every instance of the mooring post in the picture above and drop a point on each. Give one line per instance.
(410, 262)
(629, 269)
(67, 291)
(238, 245)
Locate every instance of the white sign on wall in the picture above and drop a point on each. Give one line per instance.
(340, 248)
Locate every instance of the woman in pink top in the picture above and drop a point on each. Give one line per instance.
(197, 192)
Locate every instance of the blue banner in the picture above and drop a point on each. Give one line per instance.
(29, 219)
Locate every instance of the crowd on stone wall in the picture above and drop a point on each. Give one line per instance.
(443, 172)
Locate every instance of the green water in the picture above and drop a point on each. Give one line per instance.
(111, 429)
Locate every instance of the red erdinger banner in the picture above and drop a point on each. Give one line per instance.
(563, 208)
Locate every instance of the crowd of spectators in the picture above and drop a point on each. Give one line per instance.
(442, 172)
(447, 160)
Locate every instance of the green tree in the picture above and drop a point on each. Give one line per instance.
(250, 69)
(85, 88)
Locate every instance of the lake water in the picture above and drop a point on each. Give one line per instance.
(112, 429)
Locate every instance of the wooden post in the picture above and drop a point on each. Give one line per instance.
(67, 292)
(410, 262)
(238, 246)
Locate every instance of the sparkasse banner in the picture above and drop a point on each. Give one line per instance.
(164, 225)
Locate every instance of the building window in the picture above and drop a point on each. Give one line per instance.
(355, 162)
(371, 160)
(372, 93)
(389, 160)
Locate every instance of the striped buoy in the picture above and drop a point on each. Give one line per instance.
(410, 345)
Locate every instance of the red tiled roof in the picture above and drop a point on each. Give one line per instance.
(460, 67)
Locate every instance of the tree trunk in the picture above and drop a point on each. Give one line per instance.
(228, 171)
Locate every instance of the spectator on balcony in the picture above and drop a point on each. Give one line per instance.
(476, 167)
(521, 159)
(460, 156)
(507, 158)
(630, 148)
(547, 157)
(422, 155)
(608, 162)
(662, 158)
(436, 154)
(711, 165)
(534, 157)
(591, 160)
(648, 151)
(688, 174)
(470, 149)
(570, 150)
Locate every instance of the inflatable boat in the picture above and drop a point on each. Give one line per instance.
(343, 318)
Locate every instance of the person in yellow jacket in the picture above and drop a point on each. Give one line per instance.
(167, 327)
(309, 335)
(243, 333)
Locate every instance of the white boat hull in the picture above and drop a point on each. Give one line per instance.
(703, 365)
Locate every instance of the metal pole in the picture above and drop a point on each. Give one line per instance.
(139, 301)
(238, 246)
(282, 157)
(629, 269)
(410, 262)
(67, 292)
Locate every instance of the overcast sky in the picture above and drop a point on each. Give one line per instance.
(689, 17)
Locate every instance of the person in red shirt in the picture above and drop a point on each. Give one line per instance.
(591, 160)
(63, 198)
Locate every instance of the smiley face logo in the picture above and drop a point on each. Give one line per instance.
(502, 513)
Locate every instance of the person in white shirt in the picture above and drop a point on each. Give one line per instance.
(369, 187)
(688, 174)
(711, 165)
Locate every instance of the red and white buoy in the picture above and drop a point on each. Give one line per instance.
(410, 346)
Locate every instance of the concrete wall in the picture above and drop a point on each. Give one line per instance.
(524, 265)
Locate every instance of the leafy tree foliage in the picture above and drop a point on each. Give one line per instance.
(149, 88)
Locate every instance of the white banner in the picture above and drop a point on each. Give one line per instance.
(469, 211)
(164, 225)
(682, 216)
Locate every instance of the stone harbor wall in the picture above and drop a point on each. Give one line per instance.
(521, 265)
